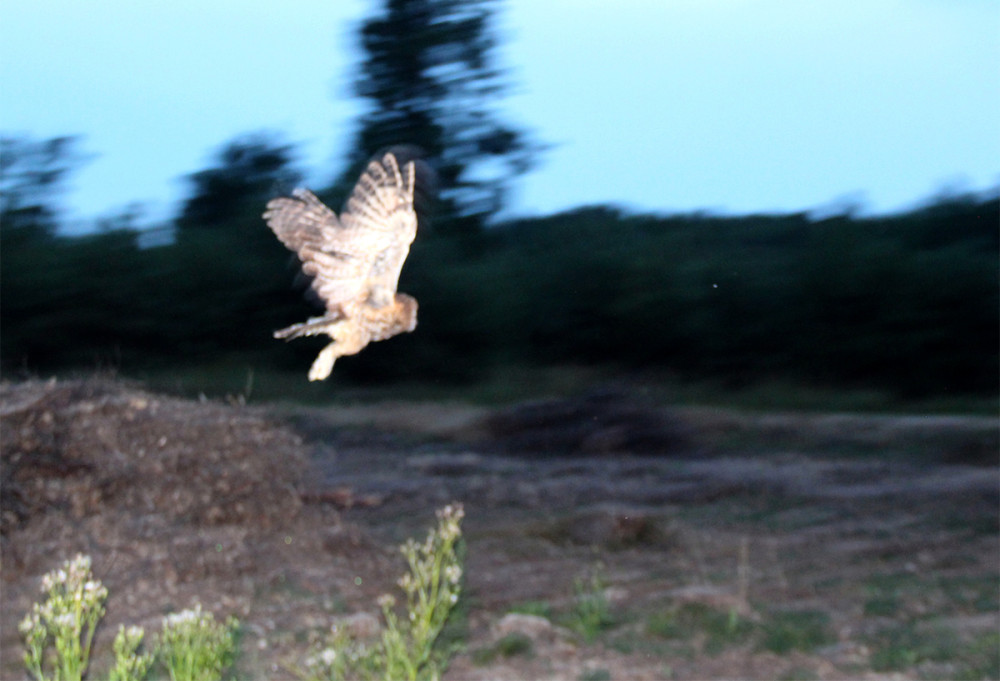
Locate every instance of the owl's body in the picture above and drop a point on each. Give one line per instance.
(354, 261)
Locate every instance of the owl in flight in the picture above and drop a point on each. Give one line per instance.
(354, 261)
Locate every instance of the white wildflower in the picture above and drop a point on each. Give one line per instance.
(453, 573)
(30, 621)
(65, 620)
(182, 618)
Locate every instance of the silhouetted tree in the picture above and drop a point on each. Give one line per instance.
(430, 76)
(31, 176)
(249, 170)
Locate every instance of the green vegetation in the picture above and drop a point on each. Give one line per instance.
(900, 593)
(713, 630)
(514, 644)
(909, 608)
(798, 630)
(59, 631)
(193, 646)
(130, 664)
(905, 645)
(591, 613)
(511, 645)
(980, 658)
(536, 608)
(408, 647)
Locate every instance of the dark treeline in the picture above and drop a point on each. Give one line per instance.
(907, 303)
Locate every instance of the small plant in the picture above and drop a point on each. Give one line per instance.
(597, 674)
(511, 645)
(905, 644)
(715, 629)
(66, 620)
(591, 614)
(59, 632)
(406, 648)
(797, 630)
(537, 608)
(130, 665)
(980, 658)
(194, 647)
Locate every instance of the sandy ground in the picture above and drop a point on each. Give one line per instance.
(884, 530)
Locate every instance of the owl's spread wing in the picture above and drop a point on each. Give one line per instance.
(379, 220)
(357, 259)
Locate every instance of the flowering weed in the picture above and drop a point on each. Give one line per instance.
(130, 665)
(406, 649)
(194, 647)
(58, 634)
(66, 620)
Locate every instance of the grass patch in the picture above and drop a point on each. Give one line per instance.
(904, 645)
(804, 630)
(896, 594)
(980, 658)
(713, 629)
(972, 593)
(882, 605)
(512, 645)
(799, 674)
(537, 608)
(591, 613)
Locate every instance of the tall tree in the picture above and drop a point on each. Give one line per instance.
(32, 173)
(430, 76)
(247, 171)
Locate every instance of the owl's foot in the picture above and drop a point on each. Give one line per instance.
(323, 366)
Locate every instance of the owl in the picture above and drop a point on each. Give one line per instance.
(354, 261)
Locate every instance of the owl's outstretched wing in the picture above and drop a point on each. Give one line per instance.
(379, 220)
(357, 259)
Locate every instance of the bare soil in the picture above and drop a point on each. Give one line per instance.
(882, 529)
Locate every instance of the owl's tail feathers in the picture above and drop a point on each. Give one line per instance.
(314, 327)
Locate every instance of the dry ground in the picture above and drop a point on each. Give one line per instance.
(725, 545)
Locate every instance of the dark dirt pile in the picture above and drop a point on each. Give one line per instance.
(85, 446)
(602, 422)
(176, 501)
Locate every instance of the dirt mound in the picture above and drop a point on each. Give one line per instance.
(176, 501)
(85, 446)
(601, 422)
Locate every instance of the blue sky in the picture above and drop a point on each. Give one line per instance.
(662, 105)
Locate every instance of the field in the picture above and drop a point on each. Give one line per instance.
(607, 536)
